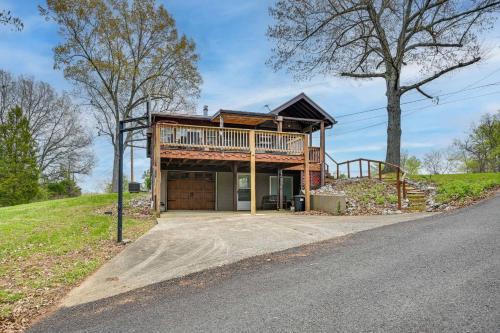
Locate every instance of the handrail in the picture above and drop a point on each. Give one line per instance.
(179, 136)
(400, 173)
(331, 158)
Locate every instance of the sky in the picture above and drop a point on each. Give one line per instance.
(233, 47)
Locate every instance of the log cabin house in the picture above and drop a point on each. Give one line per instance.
(236, 160)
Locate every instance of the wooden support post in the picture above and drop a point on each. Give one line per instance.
(253, 207)
(279, 120)
(157, 169)
(338, 171)
(360, 169)
(404, 189)
(307, 175)
(379, 171)
(235, 186)
(398, 185)
(369, 170)
(348, 170)
(322, 151)
(280, 189)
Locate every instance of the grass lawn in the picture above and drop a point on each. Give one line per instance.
(48, 247)
(461, 187)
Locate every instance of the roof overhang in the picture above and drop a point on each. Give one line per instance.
(301, 106)
(242, 117)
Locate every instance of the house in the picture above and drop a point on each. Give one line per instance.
(235, 160)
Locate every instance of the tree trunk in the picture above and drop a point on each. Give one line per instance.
(114, 180)
(393, 124)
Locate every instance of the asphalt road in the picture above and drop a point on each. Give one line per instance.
(432, 275)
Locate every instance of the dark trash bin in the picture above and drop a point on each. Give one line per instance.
(299, 203)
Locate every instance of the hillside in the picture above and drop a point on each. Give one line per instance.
(48, 247)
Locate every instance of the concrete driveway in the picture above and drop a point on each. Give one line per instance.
(187, 242)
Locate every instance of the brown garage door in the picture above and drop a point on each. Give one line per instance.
(191, 190)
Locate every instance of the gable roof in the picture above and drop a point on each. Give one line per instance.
(301, 106)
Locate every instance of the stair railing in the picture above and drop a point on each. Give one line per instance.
(400, 173)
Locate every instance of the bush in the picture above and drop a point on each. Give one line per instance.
(64, 188)
(459, 190)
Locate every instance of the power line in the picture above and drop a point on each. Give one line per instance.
(425, 99)
(411, 111)
(384, 114)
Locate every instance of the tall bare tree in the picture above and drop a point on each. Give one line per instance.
(120, 53)
(367, 39)
(55, 123)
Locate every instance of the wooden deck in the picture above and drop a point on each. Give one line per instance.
(232, 144)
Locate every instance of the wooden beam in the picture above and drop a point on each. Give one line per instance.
(157, 170)
(322, 151)
(307, 175)
(235, 186)
(253, 207)
(280, 189)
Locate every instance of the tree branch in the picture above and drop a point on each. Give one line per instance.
(404, 89)
(363, 75)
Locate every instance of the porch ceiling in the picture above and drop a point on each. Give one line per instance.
(218, 165)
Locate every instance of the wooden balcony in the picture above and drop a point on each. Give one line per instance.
(202, 142)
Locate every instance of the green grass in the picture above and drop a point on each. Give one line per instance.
(55, 244)
(461, 187)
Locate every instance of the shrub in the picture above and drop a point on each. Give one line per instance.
(459, 190)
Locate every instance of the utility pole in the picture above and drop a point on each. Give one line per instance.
(139, 123)
(132, 160)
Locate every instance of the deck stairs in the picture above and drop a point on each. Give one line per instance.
(416, 197)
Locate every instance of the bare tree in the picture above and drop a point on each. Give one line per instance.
(440, 161)
(120, 53)
(366, 39)
(62, 141)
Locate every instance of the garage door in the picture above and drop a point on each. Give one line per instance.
(190, 190)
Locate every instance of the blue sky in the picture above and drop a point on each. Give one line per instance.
(231, 41)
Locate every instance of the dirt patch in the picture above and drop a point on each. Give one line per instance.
(363, 196)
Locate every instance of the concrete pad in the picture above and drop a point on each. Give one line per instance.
(187, 242)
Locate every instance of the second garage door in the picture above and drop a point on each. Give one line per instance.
(190, 190)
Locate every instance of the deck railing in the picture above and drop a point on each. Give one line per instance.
(314, 154)
(230, 139)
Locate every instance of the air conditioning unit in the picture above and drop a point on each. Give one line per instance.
(134, 187)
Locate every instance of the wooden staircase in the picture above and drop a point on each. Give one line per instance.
(416, 197)
(373, 169)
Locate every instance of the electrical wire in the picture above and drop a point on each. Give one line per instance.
(411, 111)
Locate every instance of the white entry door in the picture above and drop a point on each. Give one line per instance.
(243, 191)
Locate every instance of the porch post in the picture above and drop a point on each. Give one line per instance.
(157, 169)
(279, 119)
(322, 151)
(235, 186)
(253, 207)
(280, 189)
(307, 175)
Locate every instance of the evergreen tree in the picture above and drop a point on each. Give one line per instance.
(18, 168)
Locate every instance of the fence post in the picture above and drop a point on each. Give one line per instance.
(360, 169)
(369, 171)
(338, 172)
(348, 170)
(379, 171)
